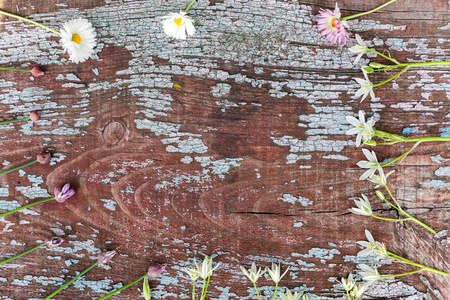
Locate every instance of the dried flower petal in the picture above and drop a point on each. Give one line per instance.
(53, 242)
(37, 72)
(43, 158)
(156, 270)
(34, 116)
(105, 257)
(63, 194)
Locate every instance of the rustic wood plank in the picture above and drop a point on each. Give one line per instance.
(247, 161)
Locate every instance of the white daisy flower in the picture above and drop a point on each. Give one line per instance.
(359, 48)
(371, 164)
(275, 272)
(366, 86)
(364, 207)
(372, 246)
(364, 130)
(78, 39)
(176, 25)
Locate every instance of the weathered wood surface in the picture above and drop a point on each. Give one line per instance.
(248, 160)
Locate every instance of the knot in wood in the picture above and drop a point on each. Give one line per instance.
(113, 133)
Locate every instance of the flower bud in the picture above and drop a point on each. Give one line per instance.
(34, 116)
(367, 69)
(53, 242)
(146, 289)
(37, 72)
(105, 257)
(380, 195)
(43, 158)
(377, 65)
(156, 270)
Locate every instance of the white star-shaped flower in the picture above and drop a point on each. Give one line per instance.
(359, 48)
(363, 205)
(366, 86)
(368, 273)
(372, 246)
(364, 130)
(371, 164)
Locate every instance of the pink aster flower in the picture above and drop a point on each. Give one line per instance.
(331, 27)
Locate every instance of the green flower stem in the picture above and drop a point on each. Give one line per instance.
(398, 207)
(30, 21)
(193, 290)
(189, 6)
(257, 293)
(406, 261)
(382, 55)
(203, 288)
(276, 288)
(26, 206)
(408, 215)
(398, 138)
(402, 274)
(206, 289)
(389, 219)
(401, 156)
(21, 254)
(70, 281)
(122, 288)
(421, 64)
(348, 295)
(18, 168)
(393, 77)
(12, 121)
(368, 12)
(15, 69)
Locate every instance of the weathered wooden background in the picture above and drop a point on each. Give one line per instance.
(231, 143)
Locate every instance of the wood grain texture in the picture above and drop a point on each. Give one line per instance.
(231, 143)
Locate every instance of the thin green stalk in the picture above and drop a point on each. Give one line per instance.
(193, 290)
(276, 288)
(15, 69)
(402, 274)
(406, 261)
(203, 288)
(382, 55)
(18, 168)
(12, 121)
(25, 206)
(420, 64)
(348, 295)
(408, 215)
(368, 12)
(189, 6)
(401, 156)
(392, 197)
(257, 293)
(429, 139)
(393, 77)
(206, 289)
(122, 288)
(389, 219)
(30, 21)
(21, 254)
(70, 281)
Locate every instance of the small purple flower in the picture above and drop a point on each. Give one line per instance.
(105, 257)
(156, 270)
(53, 242)
(63, 194)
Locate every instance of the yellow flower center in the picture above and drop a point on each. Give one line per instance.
(359, 48)
(332, 25)
(76, 38)
(178, 21)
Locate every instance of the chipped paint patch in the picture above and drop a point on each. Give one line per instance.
(299, 199)
(109, 204)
